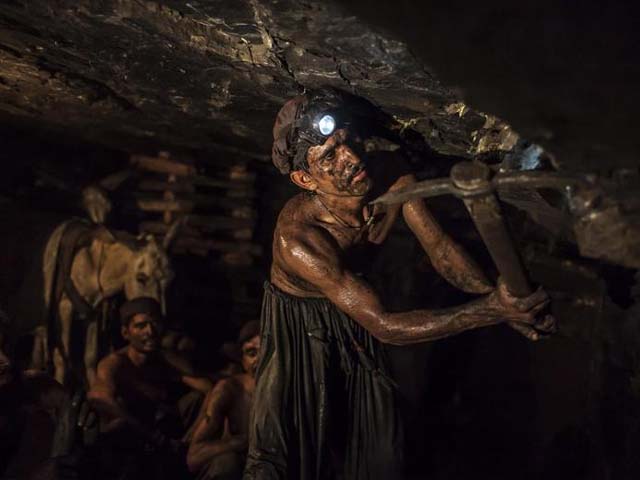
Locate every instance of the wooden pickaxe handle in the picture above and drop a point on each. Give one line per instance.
(487, 216)
(481, 202)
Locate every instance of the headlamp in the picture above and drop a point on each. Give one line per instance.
(326, 125)
(316, 120)
(314, 128)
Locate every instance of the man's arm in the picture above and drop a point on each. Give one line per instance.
(185, 372)
(207, 441)
(312, 254)
(448, 258)
(102, 397)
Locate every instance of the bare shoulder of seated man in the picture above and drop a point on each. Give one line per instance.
(216, 448)
(133, 382)
(219, 440)
(31, 406)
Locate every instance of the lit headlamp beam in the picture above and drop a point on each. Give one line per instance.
(326, 125)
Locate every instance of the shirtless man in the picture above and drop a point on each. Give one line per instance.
(324, 403)
(132, 389)
(32, 407)
(219, 443)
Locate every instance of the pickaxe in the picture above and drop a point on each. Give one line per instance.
(472, 182)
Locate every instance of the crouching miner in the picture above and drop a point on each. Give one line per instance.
(219, 443)
(324, 405)
(138, 396)
(32, 406)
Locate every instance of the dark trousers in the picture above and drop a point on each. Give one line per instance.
(324, 404)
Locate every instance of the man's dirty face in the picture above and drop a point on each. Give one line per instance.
(337, 166)
(143, 332)
(250, 350)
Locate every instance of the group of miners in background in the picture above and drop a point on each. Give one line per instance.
(149, 414)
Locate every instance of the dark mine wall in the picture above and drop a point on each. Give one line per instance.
(559, 71)
(489, 404)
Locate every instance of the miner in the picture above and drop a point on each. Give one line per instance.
(219, 442)
(324, 404)
(32, 409)
(140, 419)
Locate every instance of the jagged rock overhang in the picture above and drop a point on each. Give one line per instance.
(201, 75)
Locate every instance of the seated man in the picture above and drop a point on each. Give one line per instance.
(219, 442)
(133, 387)
(31, 407)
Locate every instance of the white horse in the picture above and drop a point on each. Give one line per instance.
(109, 265)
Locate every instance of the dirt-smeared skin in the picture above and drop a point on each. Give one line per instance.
(132, 382)
(315, 232)
(220, 435)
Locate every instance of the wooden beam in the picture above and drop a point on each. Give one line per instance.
(219, 245)
(212, 223)
(162, 165)
(204, 181)
(233, 206)
(160, 205)
(161, 186)
(232, 189)
(198, 199)
(160, 229)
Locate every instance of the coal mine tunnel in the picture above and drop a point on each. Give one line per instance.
(286, 239)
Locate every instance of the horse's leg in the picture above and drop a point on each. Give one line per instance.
(91, 352)
(62, 348)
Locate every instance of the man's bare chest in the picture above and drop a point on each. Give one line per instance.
(238, 417)
(141, 385)
(373, 232)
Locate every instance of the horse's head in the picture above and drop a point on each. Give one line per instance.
(149, 272)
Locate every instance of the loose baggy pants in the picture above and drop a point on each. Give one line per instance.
(324, 405)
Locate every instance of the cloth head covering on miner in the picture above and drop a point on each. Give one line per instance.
(147, 305)
(290, 143)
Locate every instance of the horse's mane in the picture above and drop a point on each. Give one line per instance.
(128, 239)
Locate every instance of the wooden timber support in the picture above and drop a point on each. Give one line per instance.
(162, 164)
(161, 228)
(231, 189)
(220, 218)
(220, 246)
(191, 200)
(213, 223)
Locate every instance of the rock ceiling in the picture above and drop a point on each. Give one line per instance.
(209, 75)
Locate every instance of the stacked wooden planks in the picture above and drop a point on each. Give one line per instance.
(220, 212)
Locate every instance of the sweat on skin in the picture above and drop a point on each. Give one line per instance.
(317, 238)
